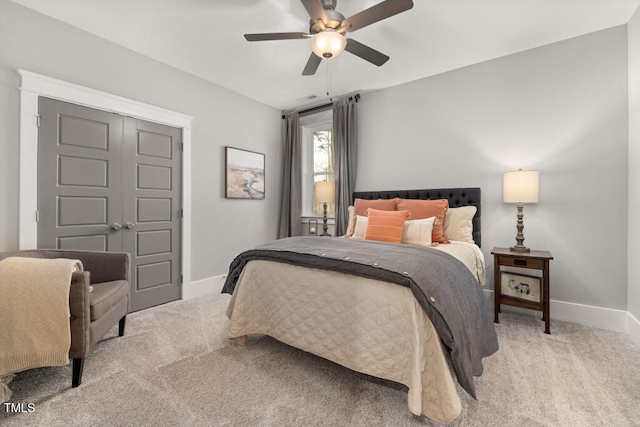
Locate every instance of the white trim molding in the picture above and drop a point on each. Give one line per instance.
(34, 85)
(633, 327)
(208, 286)
(588, 315)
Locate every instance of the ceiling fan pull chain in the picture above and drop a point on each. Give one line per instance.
(329, 81)
(328, 87)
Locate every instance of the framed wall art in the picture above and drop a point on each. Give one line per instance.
(521, 286)
(244, 174)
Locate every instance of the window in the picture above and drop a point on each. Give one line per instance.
(317, 155)
(322, 163)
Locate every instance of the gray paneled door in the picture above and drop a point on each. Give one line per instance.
(112, 183)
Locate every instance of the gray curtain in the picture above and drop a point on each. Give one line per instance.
(345, 146)
(291, 203)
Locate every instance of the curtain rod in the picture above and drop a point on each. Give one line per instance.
(323, 106)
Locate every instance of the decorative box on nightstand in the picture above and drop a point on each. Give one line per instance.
(522, 290)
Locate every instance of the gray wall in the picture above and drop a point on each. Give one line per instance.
(634, 165)
(560, 109)
(221, 228)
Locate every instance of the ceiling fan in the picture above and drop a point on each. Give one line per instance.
(328, 27)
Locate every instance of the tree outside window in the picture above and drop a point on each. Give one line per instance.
(322, 163)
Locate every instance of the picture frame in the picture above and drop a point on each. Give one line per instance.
(244, 174)
(521, 286)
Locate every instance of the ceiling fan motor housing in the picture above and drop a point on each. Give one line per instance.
(329, 4)
(334, 19)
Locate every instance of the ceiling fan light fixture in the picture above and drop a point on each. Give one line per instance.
(328, 44)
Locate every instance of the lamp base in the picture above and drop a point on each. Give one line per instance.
(325, 228)
(519, 247)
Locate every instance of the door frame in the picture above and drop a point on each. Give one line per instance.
(33, 86)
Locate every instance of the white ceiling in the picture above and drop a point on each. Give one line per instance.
(205, 38)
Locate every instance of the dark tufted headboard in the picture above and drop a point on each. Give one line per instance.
(457, 197)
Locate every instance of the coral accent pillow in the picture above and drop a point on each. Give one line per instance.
(385, 226)
(360, 206)
(420, 209)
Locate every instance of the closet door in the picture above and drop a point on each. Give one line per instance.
(152, 210)
(112, 183)
(79, 177)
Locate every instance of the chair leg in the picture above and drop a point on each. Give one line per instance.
(78, 364)
(121, 326)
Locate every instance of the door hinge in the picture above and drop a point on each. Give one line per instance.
(181, 146)
(181, 213)
(37, 216)
(38, 117)
(181, 279)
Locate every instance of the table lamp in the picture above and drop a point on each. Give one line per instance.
(324, 193)
(520, 187)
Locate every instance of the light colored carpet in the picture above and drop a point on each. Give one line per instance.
(175, 366)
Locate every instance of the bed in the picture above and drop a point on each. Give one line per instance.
(357, 304)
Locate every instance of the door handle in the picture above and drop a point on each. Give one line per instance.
(129, 225)
(115, 226)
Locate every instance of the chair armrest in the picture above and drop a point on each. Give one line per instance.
(79, 309)
(104, 266)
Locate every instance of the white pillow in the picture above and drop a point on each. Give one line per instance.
(458, 224)
(360, 227)
(352, 222)
(418, 231)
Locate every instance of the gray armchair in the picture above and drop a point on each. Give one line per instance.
(93, 313)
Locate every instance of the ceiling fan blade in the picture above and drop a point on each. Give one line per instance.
(366, 53)
(275, 36)
(312, 65)
(315, 10)
(375, 13)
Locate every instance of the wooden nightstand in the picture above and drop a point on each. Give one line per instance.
(521, 290)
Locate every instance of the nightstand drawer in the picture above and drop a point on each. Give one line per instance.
(521, 262)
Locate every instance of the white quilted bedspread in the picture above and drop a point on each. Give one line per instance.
(376, 328)
(470, 255)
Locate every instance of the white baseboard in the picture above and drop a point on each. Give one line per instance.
(588, 315)
(598, 317)
(210, 285)
(633, 327)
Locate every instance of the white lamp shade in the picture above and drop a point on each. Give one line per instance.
(324, 192)
(520, 187)
(328, 44)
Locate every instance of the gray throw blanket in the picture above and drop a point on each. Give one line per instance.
(444, 287)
